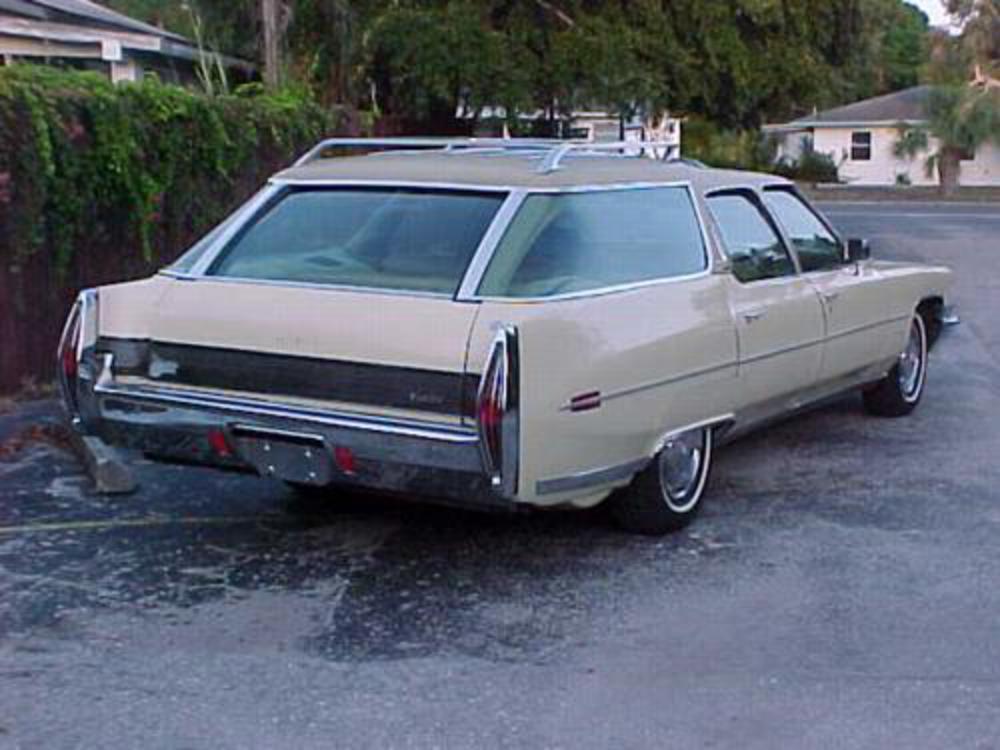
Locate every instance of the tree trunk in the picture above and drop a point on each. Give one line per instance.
(270, 16)
(949, 168)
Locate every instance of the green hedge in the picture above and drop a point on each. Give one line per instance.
(100, 183)
(151, 164)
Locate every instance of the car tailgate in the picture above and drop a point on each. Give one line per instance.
(371, 350)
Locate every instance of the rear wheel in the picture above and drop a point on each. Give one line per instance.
(899, 392)
(666, 495)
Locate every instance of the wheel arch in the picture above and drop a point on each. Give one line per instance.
(931, 310)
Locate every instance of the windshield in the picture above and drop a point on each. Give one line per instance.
(383, 238)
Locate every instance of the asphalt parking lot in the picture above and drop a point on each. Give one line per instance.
(840, 589)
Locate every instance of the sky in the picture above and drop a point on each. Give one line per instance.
(934, 10)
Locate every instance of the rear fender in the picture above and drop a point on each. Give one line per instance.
(604, 378)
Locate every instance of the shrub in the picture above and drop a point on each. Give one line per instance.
(812, 166)
(727, 149)
(101, 182)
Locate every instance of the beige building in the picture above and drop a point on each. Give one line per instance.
(84, 35)
(860, 138)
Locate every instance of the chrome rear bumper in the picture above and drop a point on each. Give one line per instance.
(432, 460)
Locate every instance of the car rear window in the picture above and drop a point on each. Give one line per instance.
(385, 238)
(564, 243)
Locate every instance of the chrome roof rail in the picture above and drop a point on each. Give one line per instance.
(553, 150)
(554, 158)
(428, 143)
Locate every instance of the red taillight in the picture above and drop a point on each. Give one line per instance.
(497, 412)
(345, 460)
(220, 444)
(490, 416)
(69, 350)
(69, 357)
(78, 336)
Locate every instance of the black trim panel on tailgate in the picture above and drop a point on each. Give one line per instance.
(290, 375)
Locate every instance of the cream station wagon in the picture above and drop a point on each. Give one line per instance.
(498, 324)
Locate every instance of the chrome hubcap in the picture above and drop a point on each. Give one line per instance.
(911, 363)
(680, 469)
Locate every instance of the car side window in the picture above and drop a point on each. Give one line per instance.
(751, 242)
(562, 243)
(817, 247)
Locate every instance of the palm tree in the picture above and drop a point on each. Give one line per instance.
(960, 119)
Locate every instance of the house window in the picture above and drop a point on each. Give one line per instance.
(861, 146)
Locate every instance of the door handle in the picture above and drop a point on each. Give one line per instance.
(830, 296)
(751, 316)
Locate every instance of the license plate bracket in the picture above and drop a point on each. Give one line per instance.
(289, 456)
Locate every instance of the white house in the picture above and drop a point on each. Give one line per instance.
(860, 137)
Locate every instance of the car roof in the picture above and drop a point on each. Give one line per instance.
(504, 169)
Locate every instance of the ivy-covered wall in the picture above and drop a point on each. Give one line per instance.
(103, 183)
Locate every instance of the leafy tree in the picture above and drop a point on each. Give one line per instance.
(962, 118)
(738, 62)
(980, 21)
(905, 48)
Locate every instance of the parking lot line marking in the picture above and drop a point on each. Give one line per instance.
(126, 523)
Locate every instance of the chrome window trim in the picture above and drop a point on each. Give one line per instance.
(473, 281)
(599, 292)
(483, 253)
(488, 245)
(274, 187)
(315, 286)
(237, 223)
(795, 192)
(769, 218)
(468, 187)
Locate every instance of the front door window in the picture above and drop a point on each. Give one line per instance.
(817, 247)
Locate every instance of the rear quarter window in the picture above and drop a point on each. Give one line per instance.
(394, 239)
(564, 243)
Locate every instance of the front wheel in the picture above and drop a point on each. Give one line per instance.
(666, 495)
(899, 392)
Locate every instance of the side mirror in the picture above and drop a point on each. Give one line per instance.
(857, 250)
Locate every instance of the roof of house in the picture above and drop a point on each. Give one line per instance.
(900, 106)
(79, 21)
(514, 170)
(85, 12)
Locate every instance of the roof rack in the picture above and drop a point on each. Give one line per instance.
(626, 148)
(553, 150)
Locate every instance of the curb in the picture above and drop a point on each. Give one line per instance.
(111, 475)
